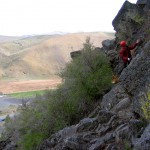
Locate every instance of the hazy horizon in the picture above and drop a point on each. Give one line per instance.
(54, 33)
(26, 17)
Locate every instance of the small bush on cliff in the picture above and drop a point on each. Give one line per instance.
(146, 108)
(86, 78)
(88, 75)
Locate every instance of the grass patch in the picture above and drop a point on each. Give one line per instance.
(30, 94)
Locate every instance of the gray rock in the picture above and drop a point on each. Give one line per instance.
(122, 133)
(113, 124)
(123, 104)
(137, 127)
(113, 97)
(136, 78)
(11, 146)
(104, 116)
(57, 138)
(141, 2)
(143, 143)
(87, 124)
(101, 143)
(113, 57)
(127, 21)
(108, 44)
(73, 143)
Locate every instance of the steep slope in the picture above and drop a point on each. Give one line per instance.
(41, 56)
(122, 120)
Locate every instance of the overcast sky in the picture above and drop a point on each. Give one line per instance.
(24, 17)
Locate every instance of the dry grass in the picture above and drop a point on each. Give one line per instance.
(8, 87)
(42, 57)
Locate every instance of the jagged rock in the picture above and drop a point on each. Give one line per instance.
(104, 116)
(114, 124)
(143, 143)
(136, 78)
(122, 133)
(58, 138)
(136, 127)
(95, 112)
(119, 119)
(8, 145)
(114, 146)
(113, 57)
(74, 142)
(86, 124)
(4, 143)
(11, 146)
(113, 97)
(109, 47)
(123, 104)
(106, 127)
(143, 3)
(108, 44)
(100, 143)
(128, 21)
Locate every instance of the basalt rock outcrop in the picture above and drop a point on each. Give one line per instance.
(119, 122)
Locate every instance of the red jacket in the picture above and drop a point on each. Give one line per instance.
(125, 52)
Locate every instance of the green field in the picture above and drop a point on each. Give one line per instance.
(30, 94)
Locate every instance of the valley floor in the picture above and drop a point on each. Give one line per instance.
(7, 87)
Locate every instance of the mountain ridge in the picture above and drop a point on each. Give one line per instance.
(41, 56)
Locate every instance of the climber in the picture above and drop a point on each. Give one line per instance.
(125, 53)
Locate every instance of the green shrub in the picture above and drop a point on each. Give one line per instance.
(146, 107)
(138, 19)
(86, 78)
(88, 75)
(31, 140)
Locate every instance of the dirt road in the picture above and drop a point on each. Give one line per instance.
(7, 87)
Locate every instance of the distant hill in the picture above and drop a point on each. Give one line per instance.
(41, 56)
(8, 38)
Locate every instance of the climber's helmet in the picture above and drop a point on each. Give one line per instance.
(123, 43)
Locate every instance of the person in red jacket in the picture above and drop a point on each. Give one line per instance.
(125, 53)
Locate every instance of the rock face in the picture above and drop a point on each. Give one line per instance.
(128, 21)
(119, 122)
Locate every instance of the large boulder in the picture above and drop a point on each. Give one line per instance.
(128, 21)
(108, 44)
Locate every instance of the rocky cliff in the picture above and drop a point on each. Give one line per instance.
(121, 122)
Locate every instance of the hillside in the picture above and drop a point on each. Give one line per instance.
(88, 112)
(121, 121)
(43, 56)
(8, 38)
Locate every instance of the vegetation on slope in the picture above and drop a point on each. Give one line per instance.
(146, 108)
(86, 78)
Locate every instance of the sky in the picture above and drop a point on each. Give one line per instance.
(28, 17)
